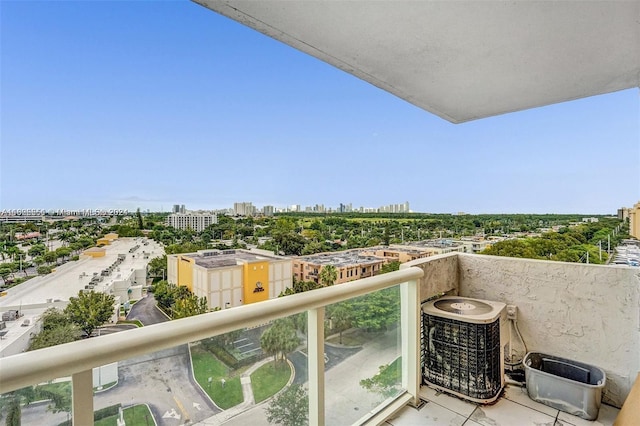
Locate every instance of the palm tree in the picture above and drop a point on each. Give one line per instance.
(328, 275)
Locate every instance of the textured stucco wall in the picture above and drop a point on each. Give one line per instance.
(440, 274)
(587, 313)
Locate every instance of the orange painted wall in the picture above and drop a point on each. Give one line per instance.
(253, 273)
(185, 272)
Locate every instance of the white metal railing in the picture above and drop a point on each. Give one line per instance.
(77, 359)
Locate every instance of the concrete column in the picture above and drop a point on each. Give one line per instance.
(410, 332)
(315, 320)
(82, 395)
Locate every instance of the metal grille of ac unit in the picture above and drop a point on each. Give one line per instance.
(463, 357)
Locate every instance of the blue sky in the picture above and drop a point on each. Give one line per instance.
(148, 104)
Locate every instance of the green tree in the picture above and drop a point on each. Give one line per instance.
(279, 339)
(289, 243)
(376, 311)
(5, 272)
(59, 398)
(139, 217)
(90, 310)
(14, 413)
(512, 248)
(53, 318)
(340, 318)
(386, 237)
(164, 295)
(63, 252)
(328, 275)
(390, 267)
(189, 306)
(63, 334)
(50, 257)
(314, 247)
(43, 270)
(157, 265)
(289, 408)
(300, 287)
(37, 250)
(387, 381)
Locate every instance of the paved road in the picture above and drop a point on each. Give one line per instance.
(162, 380)
(334, 356)
(146, 311)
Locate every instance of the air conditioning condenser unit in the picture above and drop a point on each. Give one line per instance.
(463, 342)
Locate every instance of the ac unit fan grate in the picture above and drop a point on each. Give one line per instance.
(462, 357)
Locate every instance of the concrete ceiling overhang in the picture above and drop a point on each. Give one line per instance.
(462, 60)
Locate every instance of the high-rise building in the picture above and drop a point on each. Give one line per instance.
(194, 221)
(623, 213)
(176, 208)
(243, 209)
(267, 210)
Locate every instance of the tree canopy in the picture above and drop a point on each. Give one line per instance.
(289, 408)
(279, 339)
(328, 275)
(178, 301)
(90, 310)
(56, 330)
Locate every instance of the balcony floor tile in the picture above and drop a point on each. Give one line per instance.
(513, 408)
(508, 413)
(456, 405)
(429, 414)
(520, 396)
(606, 417)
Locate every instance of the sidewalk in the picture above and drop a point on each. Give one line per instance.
(345, 400)
(247, 393)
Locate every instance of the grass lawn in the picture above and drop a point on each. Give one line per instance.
(267, 380)
(138, 415)
(135, 322)
(206, 365)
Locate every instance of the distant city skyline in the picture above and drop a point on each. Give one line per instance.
(126, 105)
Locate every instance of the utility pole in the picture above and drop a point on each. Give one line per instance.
(600, 249)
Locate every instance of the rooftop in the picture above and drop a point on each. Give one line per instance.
(440, 243)
(341, 258)
(211, 259)
(34, 296)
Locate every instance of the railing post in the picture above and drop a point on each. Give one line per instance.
(82, 396)
(410, 331)
(315, 326)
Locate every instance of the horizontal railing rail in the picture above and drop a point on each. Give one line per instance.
(42, 365)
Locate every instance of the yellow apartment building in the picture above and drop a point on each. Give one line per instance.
(231, 278)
